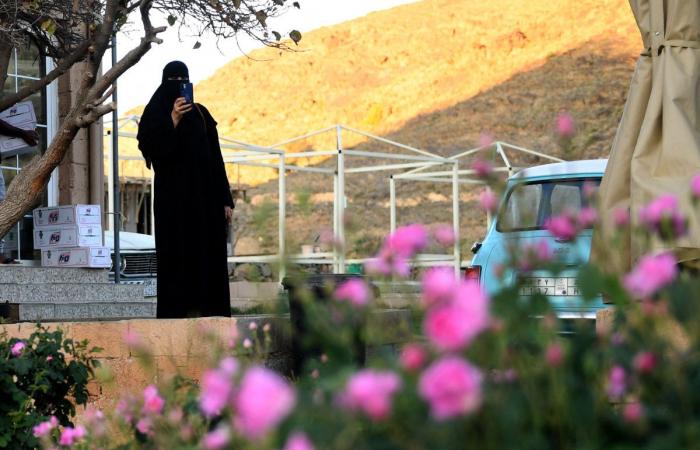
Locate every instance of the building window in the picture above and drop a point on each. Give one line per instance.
(26, 65)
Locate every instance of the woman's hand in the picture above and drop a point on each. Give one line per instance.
(180, 108)
(228, 211)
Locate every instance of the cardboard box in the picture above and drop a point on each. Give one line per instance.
(62, 237)
(67, 215)
(98, 257)
(21, 116)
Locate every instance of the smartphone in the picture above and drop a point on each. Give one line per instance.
(187, 91)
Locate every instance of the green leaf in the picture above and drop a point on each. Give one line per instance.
(171, 20)
(296, 5)
(277, 35)
(295, 35)
(196, 45)
(278, 2)
(49, 26)
(236, 4)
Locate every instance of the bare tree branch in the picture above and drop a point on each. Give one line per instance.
(94, 114)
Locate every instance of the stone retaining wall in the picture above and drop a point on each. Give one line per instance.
(184, 345)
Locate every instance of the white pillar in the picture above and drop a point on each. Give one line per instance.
(282, 192)
(392, 203)
(342, 200)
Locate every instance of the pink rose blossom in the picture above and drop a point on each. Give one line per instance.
(554, 355)
(695, 186)
(17, 348)
(388, 262)
(439, 284)
(617, 382)
(482, 168)
(413, 357)
(663, 216)
(49, 358)
(152, 402)
(44, 428)
(488, 201)
(633, 412)
(145, 425)
(587, 217)
(486, 140)
(444, 235)
(370, 391)
(535, 254)
(562, 227)
(452, 387)
(589, 189)
(454, 325)
(408, 240)
(132, 338)
(263, 400)
(70, 436)
(247, 343)
(652, 273)
(621, 217)
(644, 362)
(354, 291)
(298, 441)
(566, 127)
(215, 393)
(252, 326)
(217, 439)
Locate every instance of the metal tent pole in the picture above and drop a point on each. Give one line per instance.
(392, 204)
(341, 198)
(455, 216)
(115, 171)
(282, 189)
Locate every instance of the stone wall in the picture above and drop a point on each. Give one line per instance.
(183, 346)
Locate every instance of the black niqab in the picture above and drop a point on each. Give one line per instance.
(191, 190)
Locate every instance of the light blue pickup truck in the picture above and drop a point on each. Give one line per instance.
(531, 197)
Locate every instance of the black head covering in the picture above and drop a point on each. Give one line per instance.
(157, 111)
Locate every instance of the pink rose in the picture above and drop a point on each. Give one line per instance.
(412, 357)
(562, 227)
(145, 426)
(17, 348)
(354, 291)
(408, 240)
(554, 355)
(695, 186)
(44, 428)
(644, 362)
(587, 217)
(152, 402)
(439, 284)
(566, 127)
(664, 217)
(617, 382)
(652, 273)
(482, 168)
(215, 393)
(298, 441)
(370, 391)
(132, 338)
(70, 436)
(488, 201)
(452, 387)
(452, 326)
(263, 400)
(444, 235)
(633, 412)
(217, 439)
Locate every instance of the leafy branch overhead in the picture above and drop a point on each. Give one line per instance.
(78, 33)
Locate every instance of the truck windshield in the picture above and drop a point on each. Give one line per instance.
(529, 205)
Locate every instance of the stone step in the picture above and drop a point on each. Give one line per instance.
(19, 274)
(61, 293)
(42, 312)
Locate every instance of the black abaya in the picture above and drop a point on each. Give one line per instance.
(191, 190)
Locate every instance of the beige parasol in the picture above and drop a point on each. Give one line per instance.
(657, 147)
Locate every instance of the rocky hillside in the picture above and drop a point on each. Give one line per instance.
(436, 75)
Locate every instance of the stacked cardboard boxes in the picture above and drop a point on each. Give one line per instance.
(70, 236)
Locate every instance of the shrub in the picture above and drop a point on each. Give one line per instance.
(41, 377)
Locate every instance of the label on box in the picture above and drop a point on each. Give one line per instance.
(98, 257)
(60, 237)
(21, 116)
(67, 215)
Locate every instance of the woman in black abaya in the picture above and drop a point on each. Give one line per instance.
(192, 201)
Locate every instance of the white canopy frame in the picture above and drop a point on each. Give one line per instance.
(412, 164)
